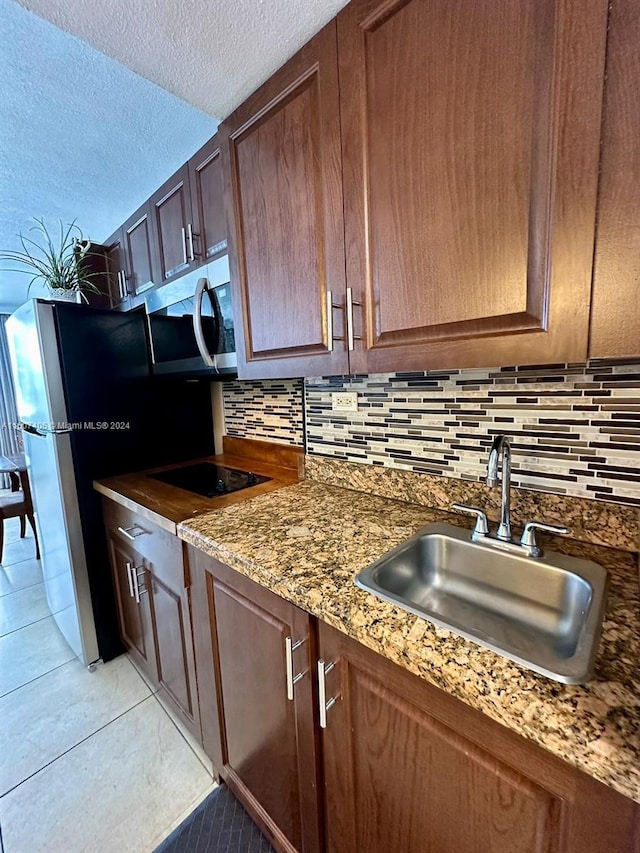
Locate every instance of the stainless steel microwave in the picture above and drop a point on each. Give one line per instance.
(190, 324)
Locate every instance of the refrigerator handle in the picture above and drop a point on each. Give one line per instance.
(32, 430)
(208, 359)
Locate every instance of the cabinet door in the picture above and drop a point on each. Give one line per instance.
(118, 276)
(134, 613)
(284, 209)
(615, 316)
(470, 136)
(139, 250)
(173, 641)
(207, 201)
(173, 224)
(407, 767)
(269, 752)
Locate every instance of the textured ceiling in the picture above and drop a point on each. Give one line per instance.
(211, 53)
(85, 137)
(80, 136)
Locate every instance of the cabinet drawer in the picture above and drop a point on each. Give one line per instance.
(159, 547)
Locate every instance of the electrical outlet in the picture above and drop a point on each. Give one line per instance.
(346, 401)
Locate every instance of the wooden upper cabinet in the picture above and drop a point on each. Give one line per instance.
(281, 151)
(470, 136)
(116, 264)
(139, 250)
(173, 225)
(615, 317)
(207, 201)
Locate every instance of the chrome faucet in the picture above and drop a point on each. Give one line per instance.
(501, 447)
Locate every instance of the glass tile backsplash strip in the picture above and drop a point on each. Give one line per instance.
(575, 429)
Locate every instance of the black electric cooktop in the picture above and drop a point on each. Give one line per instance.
(209, 479)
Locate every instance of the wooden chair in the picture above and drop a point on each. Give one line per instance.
(17, 504)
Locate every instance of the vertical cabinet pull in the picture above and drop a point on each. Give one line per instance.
(292, 680)
(134, 573)
(192, 255)
(184, 246)
(331, 305)
(130, 578)
(350, 303)
(324, 704)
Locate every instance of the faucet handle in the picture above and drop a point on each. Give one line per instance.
(528, 538)
(482, 525)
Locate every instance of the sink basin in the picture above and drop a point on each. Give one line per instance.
(543, 613)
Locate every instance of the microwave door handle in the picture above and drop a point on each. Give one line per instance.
(208, 359)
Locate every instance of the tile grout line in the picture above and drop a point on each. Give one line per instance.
(42, 674)
(67, 751)
(22, 588)
(27, 625)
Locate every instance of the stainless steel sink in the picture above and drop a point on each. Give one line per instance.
(543, 613)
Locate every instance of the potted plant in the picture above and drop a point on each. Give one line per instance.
(60, 266)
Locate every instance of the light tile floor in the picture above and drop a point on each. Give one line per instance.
(89, 762)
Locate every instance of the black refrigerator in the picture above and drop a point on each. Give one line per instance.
(90, 409)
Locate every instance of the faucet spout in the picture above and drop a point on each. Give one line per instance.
(501, 447)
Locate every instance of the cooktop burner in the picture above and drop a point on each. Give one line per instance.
(209, 479)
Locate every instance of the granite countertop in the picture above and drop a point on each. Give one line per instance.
(306, 542)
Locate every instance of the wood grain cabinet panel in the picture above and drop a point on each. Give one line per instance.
(470, 153)
(615, 316)
(174, 648)
(281, 150)
(173, 226)
(407, 767)
(116, 265)
(155, 617)
(134, 617)
(267, 736)
(207, 200)
(139, 250)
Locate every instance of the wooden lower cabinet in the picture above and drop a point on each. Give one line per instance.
(259, 730)
(152, 594)
(134, 614)
(409, 768)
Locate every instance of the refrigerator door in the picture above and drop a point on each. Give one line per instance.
(41, 405)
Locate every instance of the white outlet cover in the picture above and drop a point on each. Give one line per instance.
(345, 401)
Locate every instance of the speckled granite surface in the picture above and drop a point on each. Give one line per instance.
(601, 523)
(306, 543)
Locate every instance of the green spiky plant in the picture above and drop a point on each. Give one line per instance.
(60, 266)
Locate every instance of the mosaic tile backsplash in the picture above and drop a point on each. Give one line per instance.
(575, 429)
(270, 409)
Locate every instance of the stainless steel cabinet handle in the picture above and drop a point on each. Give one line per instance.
(138, 572)
(330, 307)
(350, 303)
(126, 532)
(324, 704)
(202, 286)
(130, 578)
(184, 245)
(192, 256)
(292, 680)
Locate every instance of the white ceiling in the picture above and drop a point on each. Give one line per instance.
(85, 137)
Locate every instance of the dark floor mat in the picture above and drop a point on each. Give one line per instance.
(219, 825)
